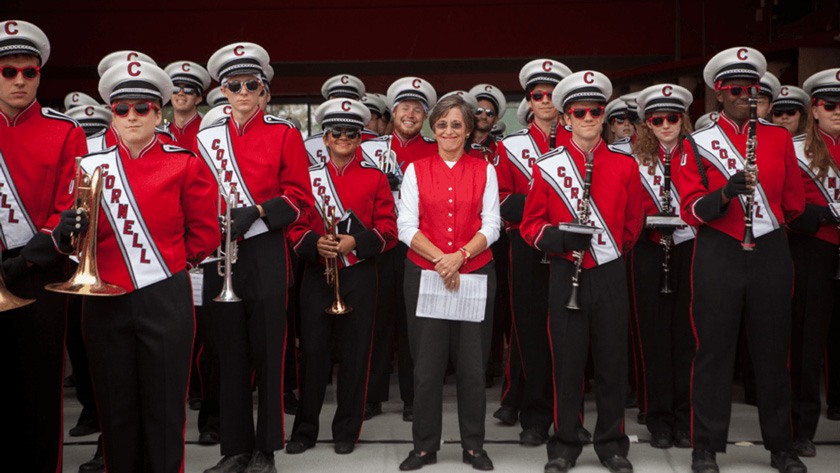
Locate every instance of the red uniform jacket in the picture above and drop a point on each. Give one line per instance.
(778, 174)
(39, 146)
(411, 150)
(827, 232)
(185, 137)
(616, 190)
(488, 151)
(108, 137)
(362, 188)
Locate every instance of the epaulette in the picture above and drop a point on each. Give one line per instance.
(317, 166)
(50, 113)
(272, 120)
(617, 149)
(176, 149)
(164, 131)
(316, 135)
(107, 150)
(521, 132)
(429, 140)
(798, 138)
(370, 133)
(766, 122)
(708, 126)
(98, 133)
(370, 165)
(558, 150)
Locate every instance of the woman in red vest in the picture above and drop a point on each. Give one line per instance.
(449, 217)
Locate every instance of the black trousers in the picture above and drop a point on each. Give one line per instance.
(77, 353)
(600, 326)
(729, 283)
(208, 359)
(501, 306)
(351, 334)
(253, 333)
(665, 335)
(32, 364)
(529, 295)
(390, 328)
(832, 361)
(815, 263)
(433, 343)
(140, 346)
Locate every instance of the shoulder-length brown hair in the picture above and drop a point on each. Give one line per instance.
(646, 147)
(815, 148)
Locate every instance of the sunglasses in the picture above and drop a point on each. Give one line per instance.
(672, 118)
(790, 113)
(539, 95)
(141, 109)
(595, 112)
(619, 120)
(350, 134)
(29, 72)
(185, 89)
(235, 86)
(487, 111)
(738, 90)
(828, 106)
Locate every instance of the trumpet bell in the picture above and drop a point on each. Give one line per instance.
(339, 308)
(227, 295)
(9, 301)
(86, 284)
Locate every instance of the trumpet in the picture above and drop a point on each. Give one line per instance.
(388, 161)
(338, 307)
(228, 254)
(86, 281)
(9, 301)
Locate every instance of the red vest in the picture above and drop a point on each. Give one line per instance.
(450, 206)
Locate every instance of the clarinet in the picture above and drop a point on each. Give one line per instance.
(667, 240)
(583, 219)
(552, 143)
(751, 169)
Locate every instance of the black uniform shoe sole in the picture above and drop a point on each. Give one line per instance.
(344, 448)
(558, 465)
(506, 415)
(480, 461)
(415, 462)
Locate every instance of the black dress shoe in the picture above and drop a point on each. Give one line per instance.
(682, 439)
(532, 437)
(584, 436)
(478, 459)
(617, 464)
(294, 447)
(290, 403)
(261, 462)
(641, 418)
(787, 462)
(95, 464)
(209, 437)
(558, 465)
(343, 448)
(408, 412)
(231, 464)
(414, 461)
(704, 461)
(82, 430)
(804, 447)
(833, 413)
(661, 440)
(372, 409)
(507, 415)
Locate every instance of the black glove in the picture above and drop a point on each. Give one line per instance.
(393, 181)
(826, 215)
(737, 185)
(243, 218)
(666, 230)
(72, 222)
(13, 268)
(576, 241)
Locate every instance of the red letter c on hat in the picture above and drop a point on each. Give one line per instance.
(8, 28)
(588, 77)
(185, 67)
(226, 110)
(239, 50)
(713, 116)
(133, 69)
(666, 91)
(74, 98)
(784, 91)
(345, 105)
(344, 79)
(742, 54)
(547, 66)
(89, 111)
(488, 88)
(131, 56)
(415, 83)
(837, 76)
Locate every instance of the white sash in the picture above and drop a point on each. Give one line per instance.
(141, 256)
(714, 146)
(654, 185)
(325, 195)
(16, 228)
(217, 151)
(522, 151)
(316, 150)
(373, 151)
(569, 188)
(96, 142)
(829, 186)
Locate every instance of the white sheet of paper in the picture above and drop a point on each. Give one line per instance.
(197, 279)
(438, 302)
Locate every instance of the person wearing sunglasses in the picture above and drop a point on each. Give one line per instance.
(620, 123)
(788, 110)
(190, 81)
(664, 330)
(730, 283)
(769, 89)
(600, 325)
(529, 275)
(355, 194)
(491, 108)
(263, 159)
(814, 243)
(340, 86)
(37, 150)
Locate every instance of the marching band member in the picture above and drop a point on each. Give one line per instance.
(410, 99)
(610, 194)
(621, 123)
(94, 119)
(353, 195)
(37, 148)
(666, 339)
(529, 275)
(706, 119)
(789, 107)
(451, 244)
(190, 81)
(729, 282)
(216, 97)
(340, 86)
(491, 108)
(378, 108)
(265, 96)
(140, 343)
(770, 87)
(813, 245)
(262, 158)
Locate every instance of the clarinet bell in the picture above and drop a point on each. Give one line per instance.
(573, 299)
(748, 243)
(665, 288)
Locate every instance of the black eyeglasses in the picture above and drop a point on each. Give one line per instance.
(581, 112)
(487, 111)
(790, 113)
(185, 89)
(29, 72)
(672, 118)
(142, 109)
(539, 95)
(349, 133)
(235, 86)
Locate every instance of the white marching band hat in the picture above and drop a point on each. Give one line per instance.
(342, 113)
(493, 94)
(90, 116)
(135, 80)
(343, 86)
(790, 98)
(238, 59)
(213, 115)
(524, 114)
(74, 99)
(119, 57)
(466, 96)
(824, 85)
(664, 98)
(215, 97)
(582, 86)
(616, 108)
(189, 72)
(706, 119)
(735, 63)
(375, 103)
(542, 71)
(267, 75)
(412, 88)
(22, 37)
(770, 86)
